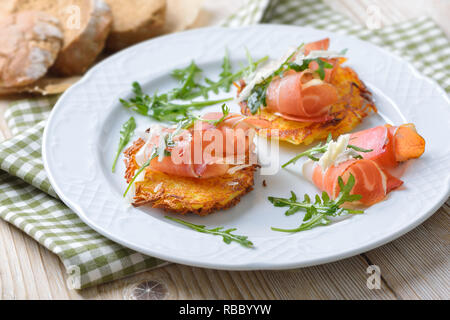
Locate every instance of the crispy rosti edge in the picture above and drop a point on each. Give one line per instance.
(168, 202)
(290, 135)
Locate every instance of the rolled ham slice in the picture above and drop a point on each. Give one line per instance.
(390, 145)
(182, 161)
(372, 182)
(297, 100)
(300, 96)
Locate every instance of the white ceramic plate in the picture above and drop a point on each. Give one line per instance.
(82, 134)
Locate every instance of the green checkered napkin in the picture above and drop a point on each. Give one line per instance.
(28, 201)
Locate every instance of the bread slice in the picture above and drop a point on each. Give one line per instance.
(29, 44)
(86, 24)
(135, 21)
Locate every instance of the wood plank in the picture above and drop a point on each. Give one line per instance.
(417, 265)
(341, 280)
(28, 276)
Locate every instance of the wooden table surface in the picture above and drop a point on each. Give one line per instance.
(415, 266)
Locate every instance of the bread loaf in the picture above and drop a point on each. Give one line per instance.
(29, 44)
(85, 23)
(135, 21)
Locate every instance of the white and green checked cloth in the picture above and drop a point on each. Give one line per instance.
(28, 201)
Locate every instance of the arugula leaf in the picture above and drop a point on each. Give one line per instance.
(191, 118)
(225, 113)
(225, 80)
(318, 213)
(140, 103)
(227, 235)
(311, 153)
(322, 65)
(187, 78)
(162, 107)
(258, 97)
(251, 64)
(358, 148)
(125, 135)
(226, 74)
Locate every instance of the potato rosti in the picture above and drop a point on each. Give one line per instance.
(185, 194)
(354, 103)
(306, 95)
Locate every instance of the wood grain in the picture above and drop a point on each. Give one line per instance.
(415, 266)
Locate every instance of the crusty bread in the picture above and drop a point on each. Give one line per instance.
(85, 23)
(6, 6)
(135, 21)
(29, 44)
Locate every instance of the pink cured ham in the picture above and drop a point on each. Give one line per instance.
(183, 161)
(298, 101)
(298, 96)
(372, 182)
(390, 145)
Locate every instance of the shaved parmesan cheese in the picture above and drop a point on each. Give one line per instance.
(337, 152)
(261, 73)
(308, 169)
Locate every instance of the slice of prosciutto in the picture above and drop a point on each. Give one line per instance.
(372, 182)
(196, 152)
(302, 96)
(297, 97)
(390, 145)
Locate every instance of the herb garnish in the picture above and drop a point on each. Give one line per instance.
(322, 65)
(318, 213)
(322, 148)
(125, 135)
(162, 107)
(227, 236)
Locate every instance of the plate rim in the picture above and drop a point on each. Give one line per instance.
(257, 265)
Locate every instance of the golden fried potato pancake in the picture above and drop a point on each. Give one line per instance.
(184, 195)
(355, 103)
